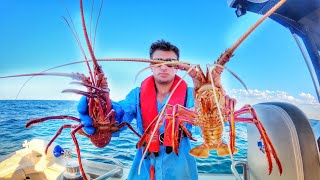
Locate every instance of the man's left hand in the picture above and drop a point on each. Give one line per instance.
(84, 117)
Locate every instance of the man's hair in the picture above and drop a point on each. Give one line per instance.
(163, 46)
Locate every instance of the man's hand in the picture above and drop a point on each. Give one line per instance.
(119, 115)
(86, 120)
(119, 112)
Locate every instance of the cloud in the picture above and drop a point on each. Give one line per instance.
(308, 97)
(305, 101)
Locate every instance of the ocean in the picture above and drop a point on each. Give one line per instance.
(15, 113)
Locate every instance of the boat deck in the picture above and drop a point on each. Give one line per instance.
(32, 163)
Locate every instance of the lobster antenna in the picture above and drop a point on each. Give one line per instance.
(75, 76)
(155, 65)
(272, 10)
(234, 74)
(85, 61)
(136, 77)
(23, 87)
(95, 30)
(91, 19)
(74, 31)
(224, 58)
(94, 60)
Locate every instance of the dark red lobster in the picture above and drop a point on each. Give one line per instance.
(99, 103)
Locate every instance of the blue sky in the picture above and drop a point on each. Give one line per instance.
(34, 37)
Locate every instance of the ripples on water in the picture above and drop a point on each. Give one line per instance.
(15, 114)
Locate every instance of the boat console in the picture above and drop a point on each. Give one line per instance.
(294, 140)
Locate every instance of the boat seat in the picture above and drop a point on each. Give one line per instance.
(293, 138)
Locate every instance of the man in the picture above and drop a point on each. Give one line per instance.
(144, 103)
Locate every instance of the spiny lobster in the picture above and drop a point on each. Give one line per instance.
(99, 103)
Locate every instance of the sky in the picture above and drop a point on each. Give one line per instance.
(34, 37)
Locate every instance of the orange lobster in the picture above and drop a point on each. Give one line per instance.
(213, 107)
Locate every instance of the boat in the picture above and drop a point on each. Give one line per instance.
(296, 141)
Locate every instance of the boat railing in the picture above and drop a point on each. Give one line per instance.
(245, 169)
(108, 158)
(110, 174)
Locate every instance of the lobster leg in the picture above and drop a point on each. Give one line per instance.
(231, 103)
(181, 111)
(40, 120)
(176, 116)
(171, 129)
(125, 124)
(147, 133)
(73, 132)
(110, 118)
(269, 148)
(171, 134)
(186, 115)
(58, 133)
(202, 151)
(184, 129)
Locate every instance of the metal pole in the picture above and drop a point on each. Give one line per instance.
(313, 76)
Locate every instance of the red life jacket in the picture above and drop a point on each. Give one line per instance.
(148, 103)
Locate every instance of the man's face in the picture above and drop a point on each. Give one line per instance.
(164, 74)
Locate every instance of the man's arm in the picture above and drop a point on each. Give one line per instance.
(128, 108)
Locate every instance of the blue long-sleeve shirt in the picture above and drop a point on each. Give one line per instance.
(167, 166)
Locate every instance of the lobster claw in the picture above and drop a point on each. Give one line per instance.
(58, 151)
